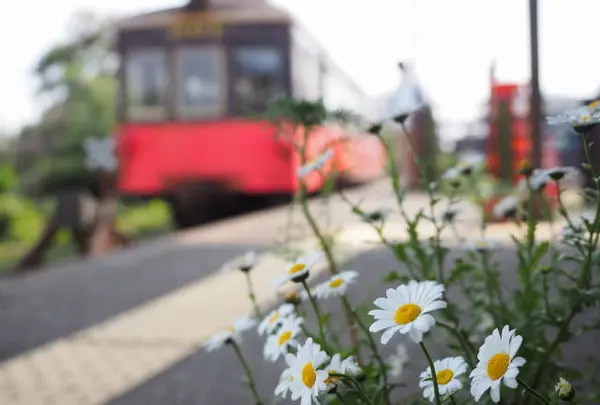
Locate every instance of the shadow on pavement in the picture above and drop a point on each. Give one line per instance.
(43, 306)
(216, 378)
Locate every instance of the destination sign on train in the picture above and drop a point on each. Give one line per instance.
(192, 26)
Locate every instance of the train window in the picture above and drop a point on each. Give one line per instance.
(258, 77)
(146, 78)
(306, 74)
(199, 81)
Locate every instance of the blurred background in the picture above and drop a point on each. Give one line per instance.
(79, 69)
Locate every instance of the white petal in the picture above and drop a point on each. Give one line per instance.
(415, 335)
(381, 314)
(435, 305)
(424, 323)
(510, 382)
(495, 393)
(381, 324)
(384, 303)
(478, 387)
(429, 393)
(387, 335)
(518, 362)
(512, 372)
(514, 346)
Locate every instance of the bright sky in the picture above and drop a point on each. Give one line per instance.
(453, 43)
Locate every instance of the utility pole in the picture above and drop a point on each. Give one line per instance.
(535, 113)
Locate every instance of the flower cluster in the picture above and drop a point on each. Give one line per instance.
(485, 359)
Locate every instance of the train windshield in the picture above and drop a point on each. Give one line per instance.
(200, 88)
(258, 77)
(146, 79)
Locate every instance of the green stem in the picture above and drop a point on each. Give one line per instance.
(462, 341)
(315, 307)
(340, 397)
(533, 392)
(312, 223)
(373, 346)
(358, 386)
(452, 400)
(252, 295)
(583, 279)
(436, 389)
(251, 382)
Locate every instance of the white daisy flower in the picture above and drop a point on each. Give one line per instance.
(560, 172)
(316, 164)
(481, 245)
(347, 366)
(230, 333)
(497, 363)
(580, 118)
(270, 322)
(336, 286)
(507, 207)
(244, 263)
(278, 343)
(397, 361)
(307, 380)
(464, 168)
(406, 310)
(284, 384)
(537, 181)
(447, 372)
(300, 269)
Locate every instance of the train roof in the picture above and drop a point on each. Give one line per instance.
(226, 11)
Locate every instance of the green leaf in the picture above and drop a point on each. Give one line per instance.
(399, 250)
(539, 253)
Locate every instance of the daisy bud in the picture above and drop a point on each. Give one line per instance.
(292, 298)
(545, 269)
(400, 118)
(525, 168)
(375, 129)
(564, 390)
(454, 183)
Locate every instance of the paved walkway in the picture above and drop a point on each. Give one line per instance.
(97, 332)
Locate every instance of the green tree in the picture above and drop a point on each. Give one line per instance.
(77, 77)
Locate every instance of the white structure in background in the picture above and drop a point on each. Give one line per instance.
(100, 154)
(409, 95)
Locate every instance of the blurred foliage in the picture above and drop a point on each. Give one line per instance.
(77, 76)
(144, 219)
(8, 178)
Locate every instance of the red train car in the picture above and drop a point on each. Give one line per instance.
(189, 79)
(509, 140)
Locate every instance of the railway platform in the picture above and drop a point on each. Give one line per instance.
(127, 328)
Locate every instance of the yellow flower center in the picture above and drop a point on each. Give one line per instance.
(331, 379)
(481, 244)
(585, 118)
(407, 313)
(594, 104)
(309, 376)
(273, 318)
(284, 337)
(444, 376)
(296, 268)
(497, 365)
(336, 282)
